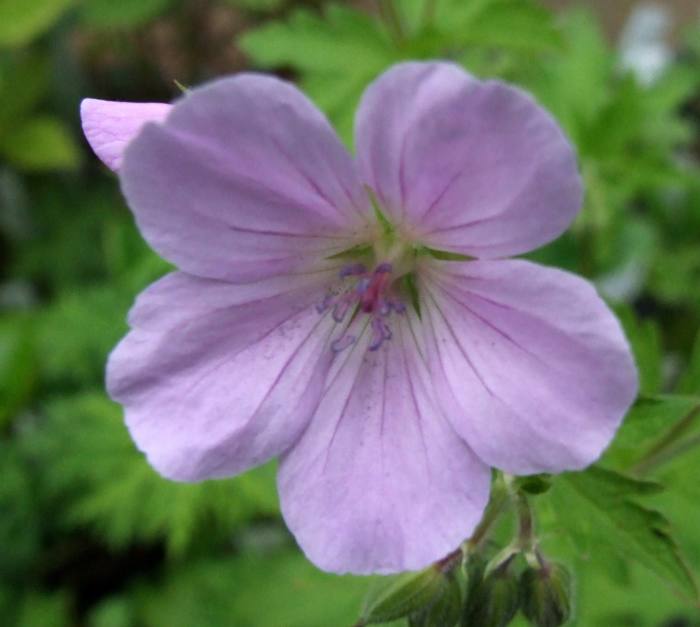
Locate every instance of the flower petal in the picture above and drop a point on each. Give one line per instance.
(216, 378)
(110, 126)
(472, 167)
(531, 367)
(244, 180)
(380, 482)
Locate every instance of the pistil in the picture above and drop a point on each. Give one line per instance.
(369, 294)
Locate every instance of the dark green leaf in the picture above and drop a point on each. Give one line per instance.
(41, 143)
(122, 14)
(21, 21)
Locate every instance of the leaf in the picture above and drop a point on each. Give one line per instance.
(23, 83)
(575, 84)
(650, 419)
(40, 609)
(597, 507)
(20, 519)
(76, 333)
(122, 14)
(338, 53)
(645, 338)
(22, 21)
(258, 5)
(519, 24)
(17, 365)
(690, 382)
(281, 589)
(41, 143)
(106, 482)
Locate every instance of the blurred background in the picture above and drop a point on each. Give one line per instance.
(89, 534)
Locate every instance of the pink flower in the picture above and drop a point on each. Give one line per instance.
(311, 317)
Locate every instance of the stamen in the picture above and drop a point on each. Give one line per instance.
(372, 295)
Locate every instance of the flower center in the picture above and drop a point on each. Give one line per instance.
(363, 292)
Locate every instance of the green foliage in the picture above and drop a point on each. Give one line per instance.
(338, 53)
(17, 365)
(645, 339)
(21, 21)
(599, 507)
(258, 5)
(690, 382)
(122, 14)
(31, 141)
(57, 148)
(108, 484)
(653, 423)
(251, 591)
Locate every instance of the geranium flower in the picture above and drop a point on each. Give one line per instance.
(357, 317)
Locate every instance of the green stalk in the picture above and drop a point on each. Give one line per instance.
(496, 507)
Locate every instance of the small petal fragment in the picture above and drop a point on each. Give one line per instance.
(110, 126)
(531, 367)
(472, 167)
(245, 180)
(217, 378)
(380, 482)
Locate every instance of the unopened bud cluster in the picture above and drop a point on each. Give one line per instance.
(492, 596)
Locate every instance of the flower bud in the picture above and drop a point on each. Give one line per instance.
(445, 609)
(492, 601)
(546, 595)
(400, 596)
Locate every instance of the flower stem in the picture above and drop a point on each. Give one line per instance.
(496, 507)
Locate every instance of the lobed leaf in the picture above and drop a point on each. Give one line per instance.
(598, 507)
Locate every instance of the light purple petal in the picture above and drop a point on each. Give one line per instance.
(245, 179)
(216, 378)
(468, 166)
(110, 126)
(380, 482)
(530, 365)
